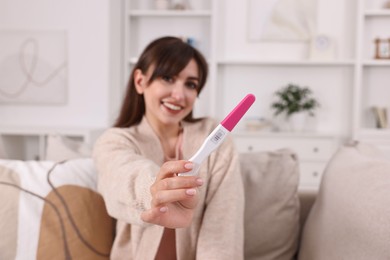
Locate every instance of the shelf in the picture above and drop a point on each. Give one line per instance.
(30, 142)
(269, 134)
(378, 63)
(133, 61)
(170, 13)
(44, 130)
(286, 63)
(375, 133)
(377, 12)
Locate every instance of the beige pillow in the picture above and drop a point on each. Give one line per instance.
(351, 216)
(60, 148)
(271, 204)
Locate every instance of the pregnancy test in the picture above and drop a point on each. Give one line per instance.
(214, 140)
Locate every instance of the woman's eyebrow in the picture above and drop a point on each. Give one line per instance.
(193, 78)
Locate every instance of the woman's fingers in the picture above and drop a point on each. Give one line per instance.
(184, 196)
(174, 198)
(179, 182)
(167, 180)
(172, 215)
(171, 168)
(153, 215)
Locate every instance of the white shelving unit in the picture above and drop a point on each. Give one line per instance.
(29, 143)
(238, 67)
(287, 63)
(370, 88)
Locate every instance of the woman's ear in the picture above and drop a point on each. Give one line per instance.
(139, 81)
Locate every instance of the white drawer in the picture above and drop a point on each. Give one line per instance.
(311, 173)
(317, 149)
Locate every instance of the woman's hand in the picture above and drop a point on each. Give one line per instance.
(174, 198)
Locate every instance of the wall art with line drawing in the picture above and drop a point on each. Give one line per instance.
(33, 67)
(281, 20)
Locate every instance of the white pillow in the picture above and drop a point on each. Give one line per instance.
(60, 148)
(43, 221)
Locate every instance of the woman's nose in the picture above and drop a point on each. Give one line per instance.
(178, 91)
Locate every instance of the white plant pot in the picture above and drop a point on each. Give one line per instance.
(297, 122)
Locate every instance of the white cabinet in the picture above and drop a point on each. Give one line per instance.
(371, 86)
(29, 143)
(313, 150)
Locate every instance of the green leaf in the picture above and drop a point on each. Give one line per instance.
(293, 99)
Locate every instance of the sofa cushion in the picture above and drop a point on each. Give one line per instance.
(60, 148)
(271, 204)
(351, 216)
(52, 211)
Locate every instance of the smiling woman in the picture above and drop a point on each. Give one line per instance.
(162, 59)
(169, 98)
(162, 215)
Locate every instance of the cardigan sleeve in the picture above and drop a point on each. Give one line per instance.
(221, 235)
(124, 176)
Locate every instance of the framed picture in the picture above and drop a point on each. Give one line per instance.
(281, 20)
(33, 67)
(382, 48)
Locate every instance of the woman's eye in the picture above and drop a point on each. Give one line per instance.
(167, 78)
(192, 85)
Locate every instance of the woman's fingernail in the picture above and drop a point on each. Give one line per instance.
(188, 166)
(199, 181)
(191, 192)
(163, 209)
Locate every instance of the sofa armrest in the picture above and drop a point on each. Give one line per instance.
(350, 216)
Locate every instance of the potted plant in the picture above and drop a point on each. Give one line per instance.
(295, 102)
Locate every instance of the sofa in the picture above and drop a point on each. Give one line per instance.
(50, 209)
(348, 217)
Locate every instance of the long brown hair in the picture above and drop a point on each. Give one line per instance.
(169, 56)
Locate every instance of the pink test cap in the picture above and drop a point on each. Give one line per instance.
(238, 112)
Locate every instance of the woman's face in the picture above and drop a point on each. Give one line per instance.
(168, 100)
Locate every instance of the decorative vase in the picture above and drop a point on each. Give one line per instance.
(297, 122)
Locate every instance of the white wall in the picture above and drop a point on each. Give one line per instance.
(332, 85)
(90, 41)
(94, 49)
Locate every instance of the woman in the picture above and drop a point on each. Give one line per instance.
(161, 215)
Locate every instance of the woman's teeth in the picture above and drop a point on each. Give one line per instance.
(172, 106)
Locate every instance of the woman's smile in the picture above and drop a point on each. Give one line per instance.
(172, 106)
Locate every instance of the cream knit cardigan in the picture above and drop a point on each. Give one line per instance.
(127, 160)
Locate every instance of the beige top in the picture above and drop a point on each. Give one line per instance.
(127, 160)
